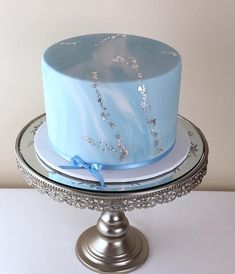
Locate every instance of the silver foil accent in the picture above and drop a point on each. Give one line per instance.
(94, 75)
(169, 52)
(99, 144)
(118, 59)
(105, 115)
(90, 140)
(112, 125)
(122, 148)
(130, 61)
(69, 43)
(145, 106)
(109, 38)
(152, 122)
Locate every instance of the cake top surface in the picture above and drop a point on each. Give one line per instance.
(111, 57)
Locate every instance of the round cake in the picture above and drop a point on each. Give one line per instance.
(111, 99)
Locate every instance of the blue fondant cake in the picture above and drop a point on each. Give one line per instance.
(111, 99)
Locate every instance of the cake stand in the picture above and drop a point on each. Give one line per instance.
(112, 245)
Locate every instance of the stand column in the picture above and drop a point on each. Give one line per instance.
(112, 245)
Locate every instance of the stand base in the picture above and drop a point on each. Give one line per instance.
(112, 246)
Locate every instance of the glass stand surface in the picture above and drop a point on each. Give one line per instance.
(112, 245)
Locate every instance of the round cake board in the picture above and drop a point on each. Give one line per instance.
(175, 157)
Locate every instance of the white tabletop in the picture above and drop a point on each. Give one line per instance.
(193, 234)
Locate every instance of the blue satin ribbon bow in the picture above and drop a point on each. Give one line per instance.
(94, 169)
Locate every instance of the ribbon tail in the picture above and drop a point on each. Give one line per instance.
(97, 175)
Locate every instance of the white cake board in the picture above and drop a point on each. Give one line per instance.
(175, 157)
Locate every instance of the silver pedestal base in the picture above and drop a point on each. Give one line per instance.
(112, 245)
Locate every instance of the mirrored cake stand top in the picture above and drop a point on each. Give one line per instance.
(122, 196)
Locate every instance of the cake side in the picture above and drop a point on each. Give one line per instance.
(114, 110)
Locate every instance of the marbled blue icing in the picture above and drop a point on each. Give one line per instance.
(93, 100)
